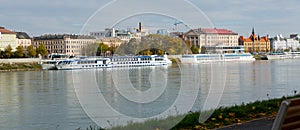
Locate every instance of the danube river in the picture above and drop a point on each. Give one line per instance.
(83, 98)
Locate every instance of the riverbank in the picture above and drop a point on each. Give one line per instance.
(19, 66)
(221, 117)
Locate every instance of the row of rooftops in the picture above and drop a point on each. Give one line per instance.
(213, 31)
(279, 37)
(62, 36)
(5, 31)
(19, 35)
(253, 38)
(24, 35)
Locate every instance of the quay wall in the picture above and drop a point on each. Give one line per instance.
(21, 60)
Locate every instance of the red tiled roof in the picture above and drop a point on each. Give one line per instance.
(218, 31)
(248, 40)
(213, 31)
(264, 39)
(5, 31)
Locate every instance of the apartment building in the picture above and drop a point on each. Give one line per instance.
(23, 40)
(7, 37)
(70, 44)
(211, 37)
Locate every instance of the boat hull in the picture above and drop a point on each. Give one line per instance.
(48, 64)
(206, 58)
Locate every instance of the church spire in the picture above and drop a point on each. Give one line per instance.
(253, 31)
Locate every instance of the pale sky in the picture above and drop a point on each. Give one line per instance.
(38, 17)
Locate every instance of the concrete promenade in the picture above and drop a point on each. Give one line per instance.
(21, 60)
(258, 124)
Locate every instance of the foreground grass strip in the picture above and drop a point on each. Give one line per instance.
(221, 117)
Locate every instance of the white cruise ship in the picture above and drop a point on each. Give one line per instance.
(203, 58)
(110, 62)
(224, 53)
(278, 55)
(49, 64)
(283, 55)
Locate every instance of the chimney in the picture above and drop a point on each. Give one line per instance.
(140, 27)
(113, 32)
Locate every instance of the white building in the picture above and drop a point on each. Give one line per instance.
(108, 32)
(23, 40)
(123, 35)
(7, 37)
(280, 43)
(292, 44)
(111, 41)
(211, 37)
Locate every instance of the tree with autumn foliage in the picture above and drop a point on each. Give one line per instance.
(31, 51)
(19, 53)
(8, 52)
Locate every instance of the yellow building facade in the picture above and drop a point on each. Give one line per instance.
(255, 43)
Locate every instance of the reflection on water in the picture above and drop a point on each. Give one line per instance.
(39, 99)
(164, 90)
(47, 99)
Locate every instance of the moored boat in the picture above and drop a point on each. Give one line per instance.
(111, 62)
(48, 64)
(54, 58)
(278, 56)
(219, 53)
(293, 54)
(202, 58)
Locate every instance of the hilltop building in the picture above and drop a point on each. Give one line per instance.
(108, 32)
(124, 35)
(255, 43)
(7, 37)
(69, 44)
(111, 41)
(211, 37)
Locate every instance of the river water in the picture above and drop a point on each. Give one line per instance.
(109, 97)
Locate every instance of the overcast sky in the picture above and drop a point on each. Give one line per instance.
(69, 16)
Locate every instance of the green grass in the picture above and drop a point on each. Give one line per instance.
(221, 117)
(19, 66)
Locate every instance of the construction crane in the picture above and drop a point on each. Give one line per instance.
(177, 23)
